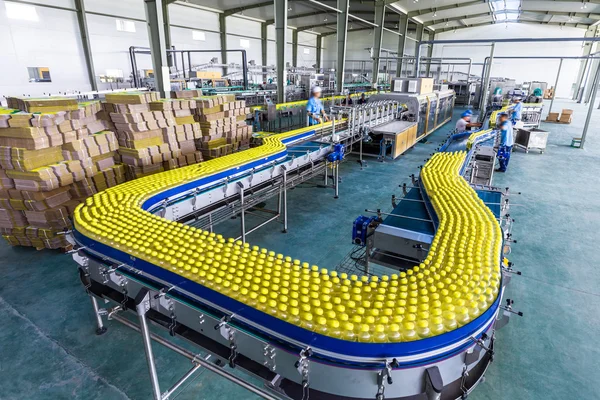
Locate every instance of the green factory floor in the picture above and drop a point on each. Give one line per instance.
(48, 349)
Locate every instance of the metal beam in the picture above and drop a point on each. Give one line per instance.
(264, 43)
(156, 36)
(326, 6)
(587, 49)
(486, 79)
(319, 51)
(443, 8)
(403, 30)
(420, 29)
(167, 29)
(342, 37)
(294, 48)
(85, 43)
(458, 18)
(281, 10)
(377, 40)
(236, 10)
(223, 39)
(430, 53)
(573, 25)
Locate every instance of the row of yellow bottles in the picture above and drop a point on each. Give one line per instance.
(456, 282)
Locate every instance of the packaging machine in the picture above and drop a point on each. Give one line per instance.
(305, 332)
(430, 111)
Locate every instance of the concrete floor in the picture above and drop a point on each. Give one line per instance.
(48, 349)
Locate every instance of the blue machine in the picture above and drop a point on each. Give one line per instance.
(360, 229)
(337, 154)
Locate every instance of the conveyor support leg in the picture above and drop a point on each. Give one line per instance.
(101, 329)
(142, 306)
(285, 214)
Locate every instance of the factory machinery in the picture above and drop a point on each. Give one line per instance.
(278, 117)
(424, 330)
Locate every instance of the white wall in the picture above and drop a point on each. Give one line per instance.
(521, 70)
(358, 59)
(52, 42)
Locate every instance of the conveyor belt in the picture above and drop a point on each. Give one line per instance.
(412, 209)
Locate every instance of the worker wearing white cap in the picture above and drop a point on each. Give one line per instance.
(314, 108)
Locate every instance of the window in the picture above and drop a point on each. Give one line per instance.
(306, 51)
(39, 74)
(114, 73)
(197, 35)
(125, 26)
(21, 11)
(244, 43)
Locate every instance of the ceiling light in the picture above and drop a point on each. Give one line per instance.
(325, 20)
(289, 8)
(447, 22)
(435, 14)
(396, 26)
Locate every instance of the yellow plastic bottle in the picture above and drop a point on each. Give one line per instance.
(349, 334)
(394, 334)
(408, 332)
(364, 335)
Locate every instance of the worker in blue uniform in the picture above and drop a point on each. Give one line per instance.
(506, 144)
(517, 112)
(464, 123)
(314, 108)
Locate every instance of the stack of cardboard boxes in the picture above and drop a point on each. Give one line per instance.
(153, 134)
(54, 152)
(565, 117)
(223, 123)
(183, 134)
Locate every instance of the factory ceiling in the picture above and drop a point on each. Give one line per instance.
(436, 15)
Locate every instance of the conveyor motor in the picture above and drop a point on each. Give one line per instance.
(360, 229)
(337, 154)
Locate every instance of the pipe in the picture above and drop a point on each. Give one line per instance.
(511, 40)
(133, 50)
(148, 348)
(555, 85)
(192, 357)
(325, 6)
(181, 381)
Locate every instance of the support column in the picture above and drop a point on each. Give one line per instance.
(223, 36)
(85, 42)
(295, 48)
(264, 44)
(486, 82)
(431, 36)
(403, 30)
(319, 51)
(342, 36)
(588, 47)
(594, 92)
(587, 89)
(167, 29)
(377, 40)
(281, 10)
(156, 34)
(420, 29)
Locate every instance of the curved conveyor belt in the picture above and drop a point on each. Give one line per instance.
(432, 310)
